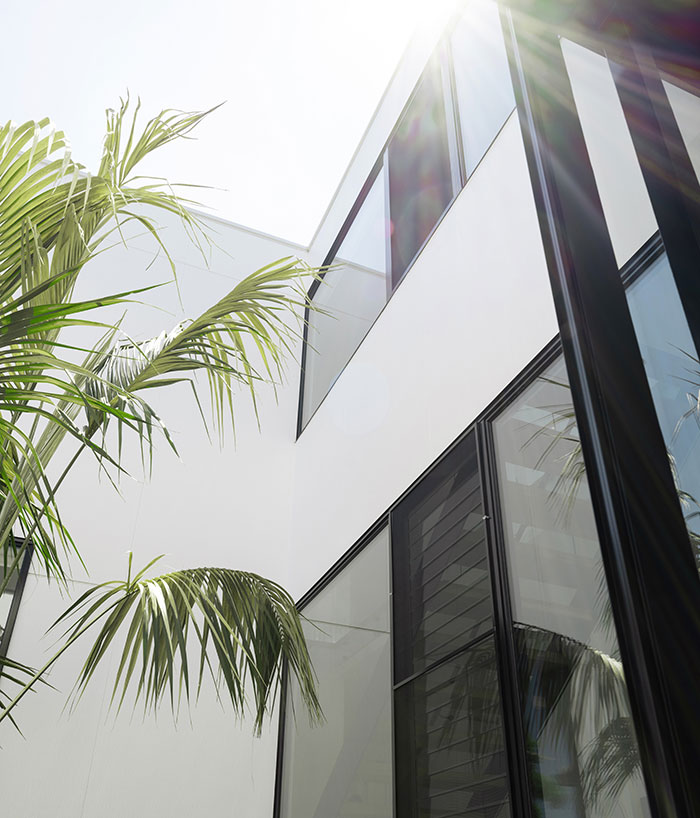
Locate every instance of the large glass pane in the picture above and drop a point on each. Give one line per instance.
(450, 750)
(349, 298)
(420, 175)
(581, 746)
(672, 367)
(442, 591)
(484, 90)
(343, 769)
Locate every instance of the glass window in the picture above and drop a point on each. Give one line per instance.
(412, 189)
(343, 768)
(582, 751)
(348, 300)
(482, 79)
(420, 173)
(673, 369)
(450, 750)
(442, 590)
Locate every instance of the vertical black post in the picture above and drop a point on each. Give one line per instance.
(16, 598)
(648, 561)
(279, 758)
(503, 626)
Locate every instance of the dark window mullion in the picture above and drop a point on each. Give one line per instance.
(669, 175)
(452, 117)
(387, 222)
(443, 660)
(23, 571)
(506, 658)
(454, 105)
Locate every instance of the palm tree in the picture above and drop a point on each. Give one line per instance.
(56, 397)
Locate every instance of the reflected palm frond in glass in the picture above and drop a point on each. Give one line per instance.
(554, 667)
(582, 753)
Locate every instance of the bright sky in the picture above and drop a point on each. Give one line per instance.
(301, 79)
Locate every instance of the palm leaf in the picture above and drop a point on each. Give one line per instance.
(256, 310)
(611, 761)
(575, 691)
(249, 624)
(16, 674)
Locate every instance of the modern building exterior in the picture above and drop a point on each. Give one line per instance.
(481, 478)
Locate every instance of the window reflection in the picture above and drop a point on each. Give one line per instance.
(344, 767)
(450, 747)
(673, 370)
(581, 747)
(449, 740)
(349, 299)
(420, 175)
(442, 588)
(482, 79)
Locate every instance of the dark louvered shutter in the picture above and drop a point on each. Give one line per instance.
(450, 754)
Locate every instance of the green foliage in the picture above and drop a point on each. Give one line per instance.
(244, 627)
(59, 397)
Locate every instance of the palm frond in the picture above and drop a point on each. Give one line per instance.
(575, 692)
(242, 339)
(19, 675)
(611, 761)
(249, 624)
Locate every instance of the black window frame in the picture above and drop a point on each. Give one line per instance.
(16, 598)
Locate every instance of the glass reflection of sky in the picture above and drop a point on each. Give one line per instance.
(672, 367)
